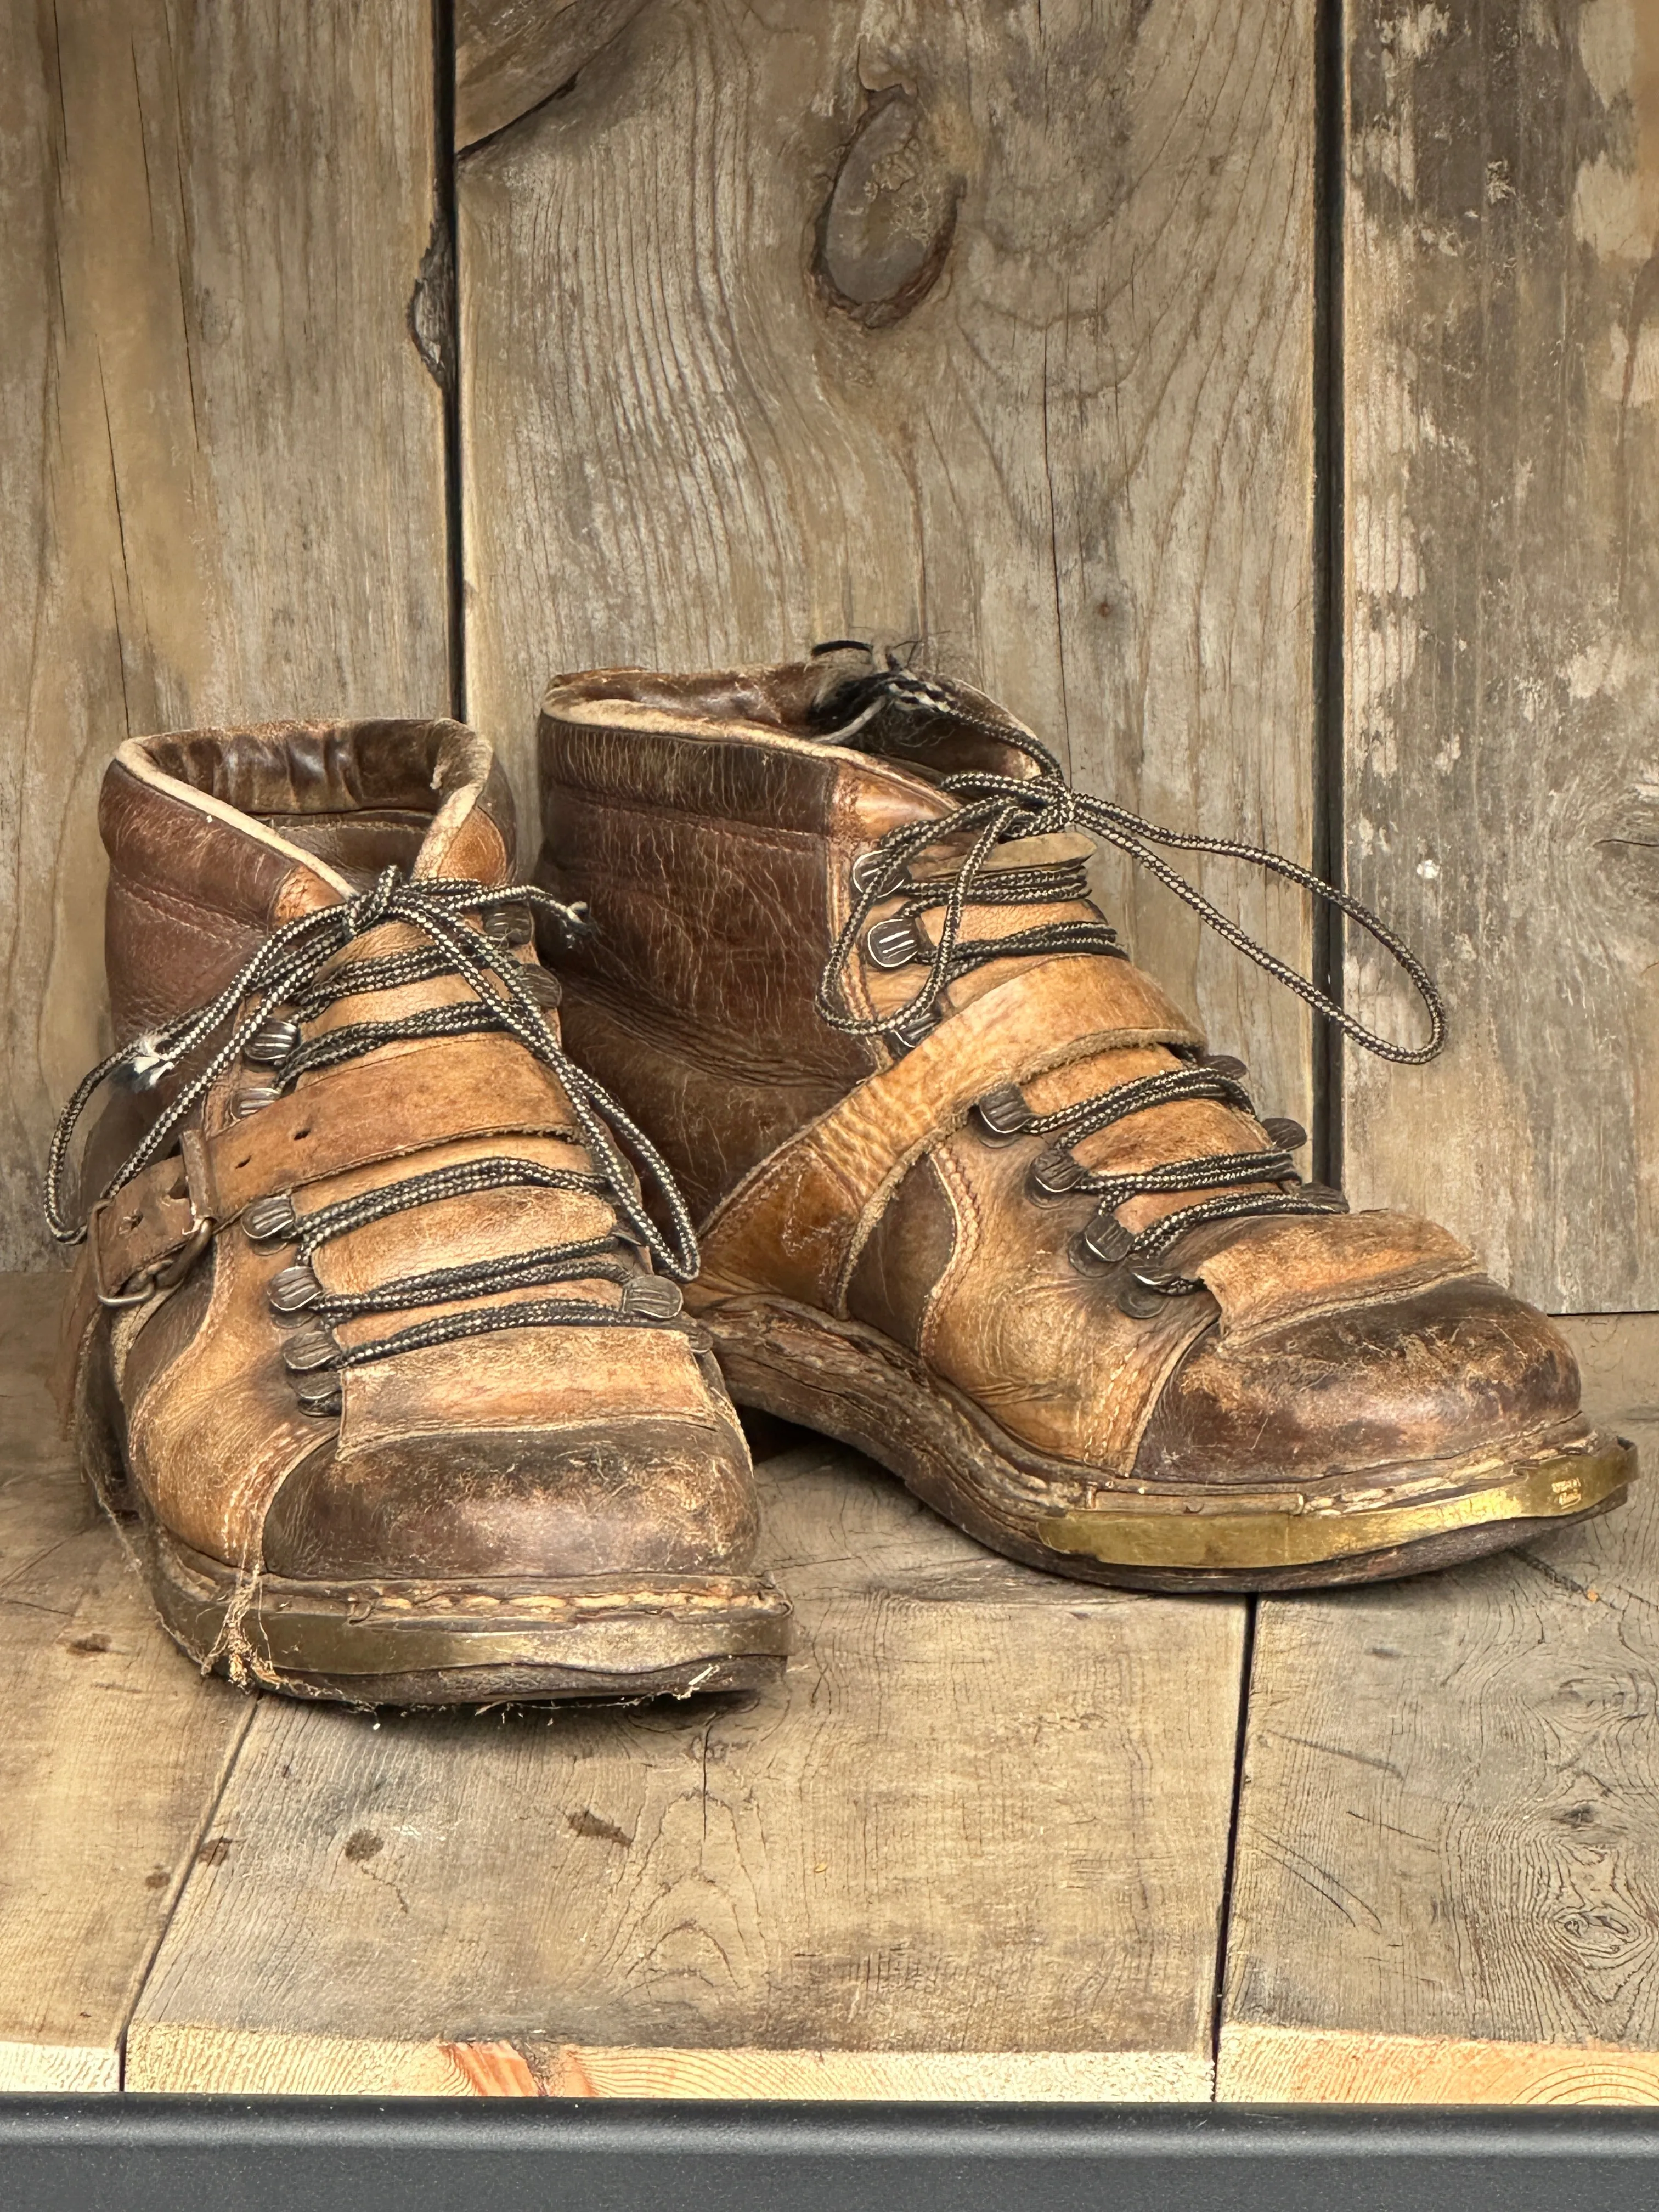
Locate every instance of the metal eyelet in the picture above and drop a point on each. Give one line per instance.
(321, 1393)
(1141, 1294)
(876, 868)
(252, 1098)
(910, 1028)
(653, 1297)
(270, 1220)
(293, 1290)
(1001, 1115)
(310, 1347)
(509, 926)
(1289, 1136)
(543, 987)
(1055, 1173)
(271, 1043)
(894, 943)
(1106, 1240)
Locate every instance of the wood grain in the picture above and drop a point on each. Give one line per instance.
(224, 486)
(1447, 1881)
(511, 55)
(990, 327)
(1502, 407)
(113, 1752)
(972, 1845)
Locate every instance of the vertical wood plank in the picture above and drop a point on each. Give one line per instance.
(990, 327)
(114, 1748)
(224, 486)
(972, 1844)
(1502, 404)
(1446, 1886)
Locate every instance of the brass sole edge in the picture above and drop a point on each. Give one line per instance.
(1563, 1486)
(846, 1380)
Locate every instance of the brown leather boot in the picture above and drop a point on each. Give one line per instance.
(367, 1350)
(972, 1196)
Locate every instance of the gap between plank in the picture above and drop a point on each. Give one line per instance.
(1328, 523)
(443, 185)
(1224, 1928)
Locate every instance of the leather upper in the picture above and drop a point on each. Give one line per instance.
(548, 1450)
(713, 825)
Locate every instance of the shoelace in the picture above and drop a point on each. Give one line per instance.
(997, 810)
(290, 971)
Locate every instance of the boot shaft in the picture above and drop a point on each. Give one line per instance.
(713, 825)
(216, 837)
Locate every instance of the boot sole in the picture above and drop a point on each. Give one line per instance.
(447, 1643)
(850, 1381)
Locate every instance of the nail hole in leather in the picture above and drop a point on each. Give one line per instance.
(132, 1220)
(180, 1190)
(299, 1133)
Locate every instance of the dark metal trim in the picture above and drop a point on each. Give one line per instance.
(302, 2154)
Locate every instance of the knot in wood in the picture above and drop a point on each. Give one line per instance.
(885, 230)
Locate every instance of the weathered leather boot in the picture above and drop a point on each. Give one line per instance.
(365, 1349)
(971, 1194)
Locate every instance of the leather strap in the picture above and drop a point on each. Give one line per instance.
(796, 1223)
(1266, 1274)
(402, 1099)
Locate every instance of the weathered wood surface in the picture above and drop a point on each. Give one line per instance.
(1447, 1882)
(113, 1750)
(224, 462)
(990, 327)
(973, 1846)
(511, 55)
(1502, 397)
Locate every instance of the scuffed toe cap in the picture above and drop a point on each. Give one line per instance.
(1461, 1369)
(649, 1497)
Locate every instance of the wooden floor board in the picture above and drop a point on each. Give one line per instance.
(1447, 1882)
(114, 1751)
(973, 1846)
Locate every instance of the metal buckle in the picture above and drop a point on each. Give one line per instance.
(166, 1274)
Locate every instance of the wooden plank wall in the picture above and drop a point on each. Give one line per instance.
(225, 473)
(1502, 409)
(991, 326)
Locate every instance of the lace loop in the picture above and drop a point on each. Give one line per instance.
(292, 968)
(993, 810)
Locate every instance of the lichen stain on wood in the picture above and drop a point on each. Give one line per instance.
(883, 236)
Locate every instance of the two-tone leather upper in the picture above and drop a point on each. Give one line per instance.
(714, 824)
(556, 1449)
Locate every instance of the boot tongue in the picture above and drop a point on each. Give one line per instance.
(473, 834)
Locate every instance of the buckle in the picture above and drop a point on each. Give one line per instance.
(167, 1273)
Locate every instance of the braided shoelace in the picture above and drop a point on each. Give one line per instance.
(997, 810)
(291, 972)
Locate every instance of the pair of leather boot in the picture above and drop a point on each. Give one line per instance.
(433, 1216)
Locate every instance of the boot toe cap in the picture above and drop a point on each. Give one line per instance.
(1453, 1371)
(650, 1496)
